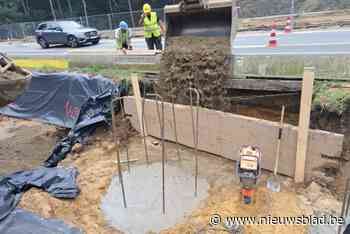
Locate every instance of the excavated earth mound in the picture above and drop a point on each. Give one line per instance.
(202, 62)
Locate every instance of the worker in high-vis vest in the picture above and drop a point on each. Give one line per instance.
(153, 28)
(123, 37)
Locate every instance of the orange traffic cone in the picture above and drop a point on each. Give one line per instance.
(273, 37)
(288, 28)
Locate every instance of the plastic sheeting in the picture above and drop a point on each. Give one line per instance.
(24, 222)
(68, 100)
(65, 99)
(58, 182)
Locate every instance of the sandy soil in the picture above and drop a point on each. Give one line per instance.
(97, 167)
(25, 144)
(96, 164)
(226, 201)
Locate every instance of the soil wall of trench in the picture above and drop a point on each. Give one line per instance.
(331, 175)
(339, 123)
(268, 107)
(205, 64)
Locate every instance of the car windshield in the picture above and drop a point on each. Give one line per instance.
(70, 24)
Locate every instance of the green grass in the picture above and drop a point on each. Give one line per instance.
(331, 97)
(116, 72)
(48, 69)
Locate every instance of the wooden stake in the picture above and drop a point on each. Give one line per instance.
(138, 100)
(304, 122)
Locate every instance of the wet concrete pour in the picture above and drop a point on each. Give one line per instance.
(144, 198)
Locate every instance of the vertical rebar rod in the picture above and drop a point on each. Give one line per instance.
(174, 124)
(143, 117)
(163, 157)
(175, 131)
(159, 115)
(195, 131)
(162, 127)
(121, 103)
(116, 141)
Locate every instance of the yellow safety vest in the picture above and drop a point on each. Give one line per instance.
(151, 26)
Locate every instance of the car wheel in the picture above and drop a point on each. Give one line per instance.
(95, 42)
(73, 42)
(43, 43)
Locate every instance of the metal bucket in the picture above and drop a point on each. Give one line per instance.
(214, 19)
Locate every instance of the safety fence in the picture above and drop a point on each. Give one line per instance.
(246, 9)
(101, 22)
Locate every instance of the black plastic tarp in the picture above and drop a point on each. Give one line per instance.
(65, 99)
(25, 222)
(68, 100)
(58, 182)
(73, 101)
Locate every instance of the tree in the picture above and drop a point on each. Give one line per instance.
(110, 4)
(10, 11)
(85, 12)
(59, 6)
(25, 7)
(69, 3)
(131, 14)
(52, 10)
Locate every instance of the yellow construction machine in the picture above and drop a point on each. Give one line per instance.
(202, 18)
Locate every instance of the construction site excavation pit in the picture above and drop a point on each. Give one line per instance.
(99, 207)
(144, 198)
(218, 193)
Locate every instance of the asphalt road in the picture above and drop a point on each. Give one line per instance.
(32, 49)
(296, 43)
